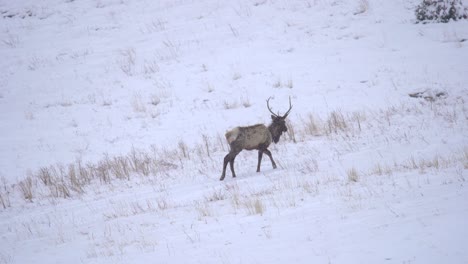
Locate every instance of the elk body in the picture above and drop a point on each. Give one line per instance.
(257, 137)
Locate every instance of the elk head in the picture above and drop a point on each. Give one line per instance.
(278, 125)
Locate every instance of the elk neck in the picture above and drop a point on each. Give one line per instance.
(275, 132)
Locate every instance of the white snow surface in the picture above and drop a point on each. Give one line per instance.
(366, 173)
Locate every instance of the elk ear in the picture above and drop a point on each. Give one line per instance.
(273, 117)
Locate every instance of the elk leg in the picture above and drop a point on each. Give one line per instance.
(227, 159)
(231, 163)
(260, 155)
(271, 158)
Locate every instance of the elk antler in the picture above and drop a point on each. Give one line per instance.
(277, 115)
(289, 110)
(269, 109)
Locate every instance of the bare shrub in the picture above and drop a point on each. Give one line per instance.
(291, 131)
(313, 125)
(26, 188)
(75, 182)
(184, 149)
(59, 189)
(120, 167)
(45, 176)
(140, 162)
(102, 172)
(336, 123)
(83, 172)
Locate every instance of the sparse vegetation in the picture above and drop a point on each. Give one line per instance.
(127, 61)
(254, 206)
(336, 123)
(138, 104)
(11, 41)
(114, 114)
(26, 188)
(230, 105)
(67, 181)
(352, 175)
(313, 125)
(363, 7)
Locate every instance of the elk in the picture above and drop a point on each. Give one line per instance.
(257, 137)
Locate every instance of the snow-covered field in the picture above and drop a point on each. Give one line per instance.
(113, 114)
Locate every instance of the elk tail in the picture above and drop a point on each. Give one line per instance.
(232, 135)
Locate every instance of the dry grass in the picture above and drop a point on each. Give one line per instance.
(245, 102)
(183, 148)
(26, 188)
(127, 61)
(11, 40)
(5, 191)
(291, 133)
(230, 105)
(352, 175)
(138, 104)
(254, 206)
(336, 123)
(362, 8)
(63, 181)
(313, 125)
(203, 210)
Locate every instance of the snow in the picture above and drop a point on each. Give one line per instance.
(366, 174)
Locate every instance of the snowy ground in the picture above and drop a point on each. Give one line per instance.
(113, 113)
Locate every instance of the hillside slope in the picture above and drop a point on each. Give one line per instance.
(113, 114)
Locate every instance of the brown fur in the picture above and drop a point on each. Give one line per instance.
(255, 137)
